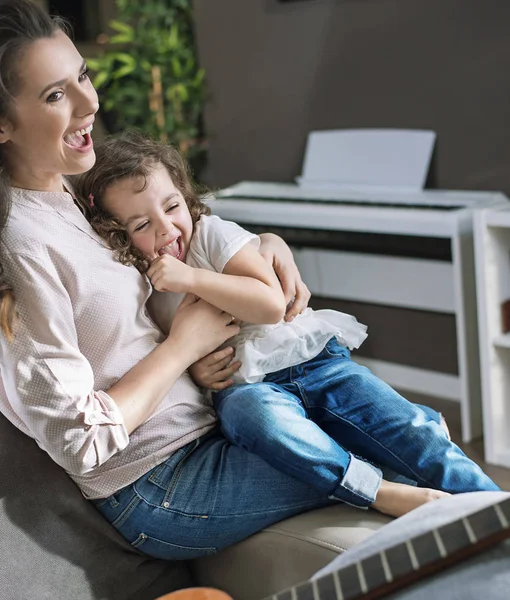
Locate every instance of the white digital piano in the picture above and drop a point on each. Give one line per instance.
(411, 250)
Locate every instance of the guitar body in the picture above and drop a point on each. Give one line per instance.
(382, 572)
(196, 594)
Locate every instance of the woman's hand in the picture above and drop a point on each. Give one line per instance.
(214, 370)
(198, 328)
(279, 256)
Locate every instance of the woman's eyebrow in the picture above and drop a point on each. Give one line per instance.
(60, 82)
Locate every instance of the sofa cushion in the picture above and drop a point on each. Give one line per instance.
(287, 552)
(55, 545)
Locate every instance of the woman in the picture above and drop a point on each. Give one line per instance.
(85, 372)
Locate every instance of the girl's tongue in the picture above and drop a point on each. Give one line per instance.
(173, 249)
(76, 140)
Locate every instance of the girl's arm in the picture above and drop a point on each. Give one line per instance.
(248, 288)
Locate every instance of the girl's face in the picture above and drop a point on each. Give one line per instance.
(157, 219)
(54, 110)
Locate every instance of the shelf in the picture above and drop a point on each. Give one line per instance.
(492, 248)
(498, 218)
(502, 341)
(502, 459)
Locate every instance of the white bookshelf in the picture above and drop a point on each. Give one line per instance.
(492, 261)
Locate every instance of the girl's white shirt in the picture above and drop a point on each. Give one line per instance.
(262, 349)
(82, 325)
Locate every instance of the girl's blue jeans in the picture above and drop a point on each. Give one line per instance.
(289, 455)
(313, 421)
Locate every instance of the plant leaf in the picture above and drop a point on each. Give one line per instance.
(122, 27)
(100, 79)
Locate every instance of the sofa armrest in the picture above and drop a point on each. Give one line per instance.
(286, 553)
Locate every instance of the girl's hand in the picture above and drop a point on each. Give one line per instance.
(213, 371)
(279, 256)
(198, 328)
(168, 274)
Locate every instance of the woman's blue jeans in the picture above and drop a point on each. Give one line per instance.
(206, 496)
(314, 420)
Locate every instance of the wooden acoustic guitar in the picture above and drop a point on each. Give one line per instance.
(397, 566)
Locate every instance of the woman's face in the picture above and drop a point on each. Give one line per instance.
(49, 135)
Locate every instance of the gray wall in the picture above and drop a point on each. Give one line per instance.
(277, 71)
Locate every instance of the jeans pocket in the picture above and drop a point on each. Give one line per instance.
(334, 349)
(167, 551)
(117, 508)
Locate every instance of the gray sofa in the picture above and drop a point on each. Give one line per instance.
(55, 546)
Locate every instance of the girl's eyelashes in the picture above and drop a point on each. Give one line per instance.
(168, 209)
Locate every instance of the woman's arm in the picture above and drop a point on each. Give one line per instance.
(277, 254)
(50, 387)
(247, 288)
(214, 370)
(197, 329)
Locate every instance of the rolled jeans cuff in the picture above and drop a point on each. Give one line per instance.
(359, 485)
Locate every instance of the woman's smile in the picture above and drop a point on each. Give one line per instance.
(49, 133)
(80, 139)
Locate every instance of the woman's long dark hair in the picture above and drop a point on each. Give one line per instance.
(21, 23)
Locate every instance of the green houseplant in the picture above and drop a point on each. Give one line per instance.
(149, 76)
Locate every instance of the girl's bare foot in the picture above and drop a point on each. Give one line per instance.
(444, 425)
(397, 499)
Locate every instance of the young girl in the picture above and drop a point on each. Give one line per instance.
(313, 410)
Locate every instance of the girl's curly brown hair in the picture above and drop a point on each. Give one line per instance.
(132, 155)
